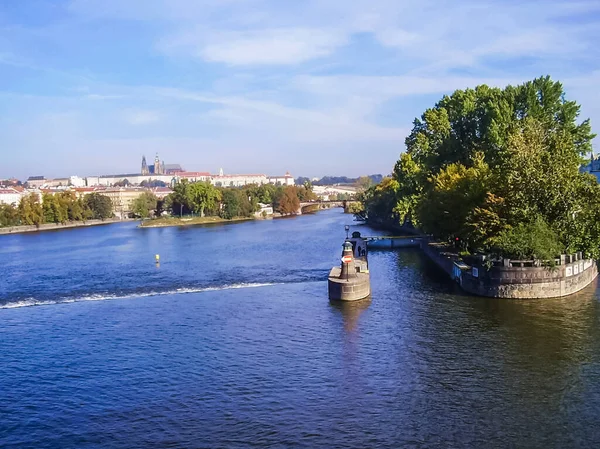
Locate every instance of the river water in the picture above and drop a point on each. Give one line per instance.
(232, 342)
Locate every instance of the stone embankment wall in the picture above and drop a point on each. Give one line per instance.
(54, 226)
(513, 279)
(355, 288)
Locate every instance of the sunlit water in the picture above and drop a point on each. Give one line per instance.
(232, 342)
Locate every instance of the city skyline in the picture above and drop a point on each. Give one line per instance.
(317, 88)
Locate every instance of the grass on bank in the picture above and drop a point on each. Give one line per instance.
(187, 221)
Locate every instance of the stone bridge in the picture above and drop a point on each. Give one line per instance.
(320, 204)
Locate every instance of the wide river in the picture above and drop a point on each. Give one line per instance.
(231, 342)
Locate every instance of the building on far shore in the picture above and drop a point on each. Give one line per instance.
(133, 179)
(9, 195)
(193, 176)
(35, 182)
(593, 167)
(169, 174)
(173, 169)
(122, 199)
(223, 180)
(286, 180)
(266, 210)
(159, 167)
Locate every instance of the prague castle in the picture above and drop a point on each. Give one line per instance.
(169, 174)
(159, 167)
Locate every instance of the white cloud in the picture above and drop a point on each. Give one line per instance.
(258, 47)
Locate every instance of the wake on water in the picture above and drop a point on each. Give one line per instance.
(29, 302)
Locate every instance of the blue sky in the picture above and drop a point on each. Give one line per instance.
(315, 87)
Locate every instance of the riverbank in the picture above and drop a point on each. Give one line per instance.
(164, 222)
(514, 279)
(55, 226)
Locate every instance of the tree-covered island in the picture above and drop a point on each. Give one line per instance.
(211, 203)
(497, 171)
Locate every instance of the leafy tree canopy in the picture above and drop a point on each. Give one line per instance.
(488, 165)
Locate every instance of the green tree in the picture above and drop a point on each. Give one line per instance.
(203, 196)
(9, 215)
(181, 198)
(363, 183)
(30, 210)
(487, 163)
(72, 206)
(50, 208)
(267, 193)
(455, 192)
(145, 204)
(380, 201)
(100, 206)
(289, 202)
(231, 204)
(535, 240)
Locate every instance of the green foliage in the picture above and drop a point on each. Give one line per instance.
(9, 215)
(355, 208)
(380, 201)
(55, 208)
(455, 191)
(236, 204)
(145, 205)
(232, 202)
(100, 206)
(487, 163)
(534, 240)
(153, 183)
(363, 183)
(30, 210)
(289, 202)
(203, 196)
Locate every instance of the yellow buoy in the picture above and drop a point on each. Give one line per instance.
(157, 258)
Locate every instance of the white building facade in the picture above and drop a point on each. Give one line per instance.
(10, 196)
(221, 180)
(286, 180)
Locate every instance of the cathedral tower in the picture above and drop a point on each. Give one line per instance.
(157, 165)
(145, 170)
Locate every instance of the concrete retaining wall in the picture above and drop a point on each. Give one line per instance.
(571, 275)
(356, 288)
(54, 226)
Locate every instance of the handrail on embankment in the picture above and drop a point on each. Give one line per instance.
(383, 242)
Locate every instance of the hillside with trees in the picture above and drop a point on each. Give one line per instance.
(337, 180)
(496, 171)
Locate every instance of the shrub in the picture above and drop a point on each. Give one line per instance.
(535, 240)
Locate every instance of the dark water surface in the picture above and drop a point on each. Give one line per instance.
(232, 342)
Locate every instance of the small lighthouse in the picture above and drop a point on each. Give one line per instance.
(350, 281)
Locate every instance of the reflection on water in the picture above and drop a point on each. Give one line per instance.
(351, 311)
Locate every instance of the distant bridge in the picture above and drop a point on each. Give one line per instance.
(321, 203)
